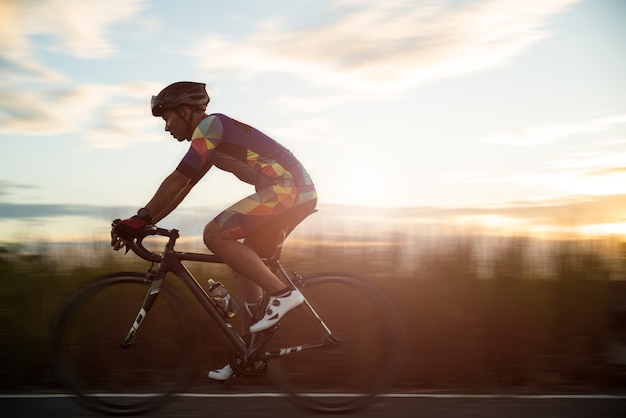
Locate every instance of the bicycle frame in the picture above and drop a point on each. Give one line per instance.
(172, 262)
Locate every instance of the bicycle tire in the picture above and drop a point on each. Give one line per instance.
(88, 358)
(363, 364)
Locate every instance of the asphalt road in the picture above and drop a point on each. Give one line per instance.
(457, 406)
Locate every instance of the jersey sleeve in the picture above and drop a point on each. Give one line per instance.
(206, 137)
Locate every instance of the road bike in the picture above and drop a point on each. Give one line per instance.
(126, 342)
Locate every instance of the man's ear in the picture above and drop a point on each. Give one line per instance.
(185, 111)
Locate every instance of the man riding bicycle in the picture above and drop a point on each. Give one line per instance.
(282, 186)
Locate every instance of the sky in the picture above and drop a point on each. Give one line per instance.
(502, 114)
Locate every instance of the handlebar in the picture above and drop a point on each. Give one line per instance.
(136, 245)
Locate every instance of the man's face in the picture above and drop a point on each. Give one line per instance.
(175, 125)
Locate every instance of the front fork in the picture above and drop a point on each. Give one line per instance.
(156, 280)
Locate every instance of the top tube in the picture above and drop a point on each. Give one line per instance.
(136, 245)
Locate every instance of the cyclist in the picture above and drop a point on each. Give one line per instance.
(282, 185)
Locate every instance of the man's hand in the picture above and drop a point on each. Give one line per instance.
(124, 231)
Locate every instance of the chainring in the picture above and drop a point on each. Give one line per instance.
(245, 369)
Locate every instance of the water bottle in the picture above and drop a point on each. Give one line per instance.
(222, 299)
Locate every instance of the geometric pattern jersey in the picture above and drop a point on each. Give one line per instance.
(280, 180)
(247, 148)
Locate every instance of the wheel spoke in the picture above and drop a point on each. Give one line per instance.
(363, 363)
(89, 358)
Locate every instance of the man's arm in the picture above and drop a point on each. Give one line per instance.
(169, 195)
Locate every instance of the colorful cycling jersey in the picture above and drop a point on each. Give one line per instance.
(243, 150)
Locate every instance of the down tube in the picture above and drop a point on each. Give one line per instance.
(227, 329)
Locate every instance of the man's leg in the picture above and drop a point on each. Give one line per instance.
(241, 258)
(247, 262)
(250, 295)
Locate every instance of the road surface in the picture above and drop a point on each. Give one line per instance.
(392, 406)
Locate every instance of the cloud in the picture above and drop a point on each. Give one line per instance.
(389, 45)
(573, 209)
(27, 211)
(607, 171)
(47, 111)
(566, 211)
(573, 182)
(589, 180)
(590, 167)
(540, 217)
(608, 158)
(106, 116)
(541, 135)
(78, 28)
(6, 187)
(36, 99)
(555, 132)
(543, 217)
(124, 118)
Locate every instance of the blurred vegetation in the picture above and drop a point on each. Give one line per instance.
(480, 313)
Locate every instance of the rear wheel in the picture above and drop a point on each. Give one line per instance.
(363, 363)
(90, 361)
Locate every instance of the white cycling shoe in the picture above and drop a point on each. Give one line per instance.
(221, 374)
(277, 307)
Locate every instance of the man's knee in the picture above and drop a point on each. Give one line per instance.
(213, 234)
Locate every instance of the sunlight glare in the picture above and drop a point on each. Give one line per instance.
(361, 188)
(603, 229)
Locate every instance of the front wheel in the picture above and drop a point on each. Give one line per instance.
(363, 362)
(88, 356)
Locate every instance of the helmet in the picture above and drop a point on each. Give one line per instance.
(178, 94)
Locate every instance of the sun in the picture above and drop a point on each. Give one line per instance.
(360, 188)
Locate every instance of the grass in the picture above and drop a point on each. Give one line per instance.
(507, 312)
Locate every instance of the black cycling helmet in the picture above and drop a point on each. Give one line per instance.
(178, 94)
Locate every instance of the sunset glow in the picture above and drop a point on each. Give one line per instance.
(506, 116)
